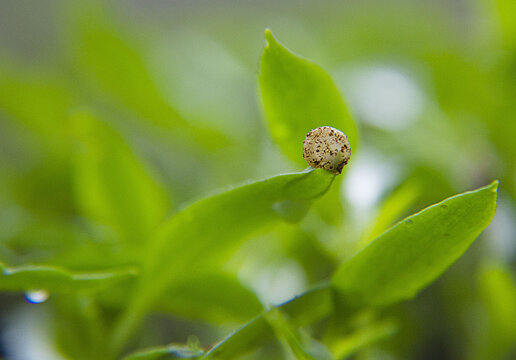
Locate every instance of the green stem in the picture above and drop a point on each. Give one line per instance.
(148, 289)
(126, 325)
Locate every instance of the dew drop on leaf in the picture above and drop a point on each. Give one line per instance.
(36, 296)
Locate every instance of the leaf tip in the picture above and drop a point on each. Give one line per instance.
(268, 35)
(494, 185)
(269, 38)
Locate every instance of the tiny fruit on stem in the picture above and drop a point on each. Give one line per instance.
(326, 148)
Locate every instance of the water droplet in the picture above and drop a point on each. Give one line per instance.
(443, 206)
(36, 296)
(410, 222)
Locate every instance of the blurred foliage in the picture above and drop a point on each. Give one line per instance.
(117, 117)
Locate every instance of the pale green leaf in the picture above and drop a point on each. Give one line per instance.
(113, 186)
(105, 58)
(108, 60)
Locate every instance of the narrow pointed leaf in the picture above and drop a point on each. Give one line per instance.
(413, 253)
(59, 280)
(392, 209)
(113, 186)
(305, 309)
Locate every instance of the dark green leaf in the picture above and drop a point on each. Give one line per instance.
(413, 253)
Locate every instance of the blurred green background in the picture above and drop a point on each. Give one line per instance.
(159, 100)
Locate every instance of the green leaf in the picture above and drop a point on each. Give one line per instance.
(504, 11)
(37, 99)
(212, 296)
(80, 328)
(35, 102)
(392, 208)
(206, 232)
(169, 352)
(305, 309)
(497, 288)
(413, 253)
(116, 66)
(58, 280)
(369, 334)
(299, 96)
(113, 187)
(107, 60)
(242, 341)
(208, 229)
(290, 337)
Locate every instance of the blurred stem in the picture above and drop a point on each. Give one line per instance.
(85, 341)
(147, 290)
(288, 336)
(94, 325)
(126, 325)
(363, 337)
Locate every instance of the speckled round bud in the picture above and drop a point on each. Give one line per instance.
(327, 148)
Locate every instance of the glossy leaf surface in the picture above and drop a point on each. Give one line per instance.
(414, 252)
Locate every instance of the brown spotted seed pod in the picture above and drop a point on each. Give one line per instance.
(326, 148)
